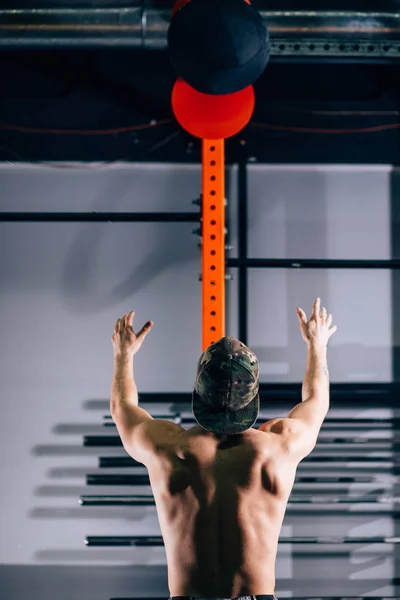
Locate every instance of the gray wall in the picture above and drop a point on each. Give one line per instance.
(62, 287)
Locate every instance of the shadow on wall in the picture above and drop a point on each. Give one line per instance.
(58, 488)
(80, 270)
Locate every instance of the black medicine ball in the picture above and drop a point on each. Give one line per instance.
(218, 46)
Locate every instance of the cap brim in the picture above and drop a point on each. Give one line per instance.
(227, 422)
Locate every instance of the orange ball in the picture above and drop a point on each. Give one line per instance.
(211, 117)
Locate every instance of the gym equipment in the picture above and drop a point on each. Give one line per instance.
(218, 46)
(211, 117)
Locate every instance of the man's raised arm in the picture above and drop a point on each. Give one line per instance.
(124, 395)
(141, 435)
(308, 416)
(302, 426)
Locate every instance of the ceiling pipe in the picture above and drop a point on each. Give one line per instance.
(142, 26)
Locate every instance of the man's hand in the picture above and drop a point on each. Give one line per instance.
(124, 340)
(318, 329)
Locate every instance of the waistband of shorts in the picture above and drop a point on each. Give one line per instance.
(257, 597)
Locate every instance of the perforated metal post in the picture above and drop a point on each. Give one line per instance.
(213, 243)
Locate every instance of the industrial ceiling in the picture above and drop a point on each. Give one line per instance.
(91, 81)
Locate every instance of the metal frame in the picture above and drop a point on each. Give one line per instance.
(213, 241)
(243, 262)
(242, 248)
(95, 217)
(366, 394)
(395, 252)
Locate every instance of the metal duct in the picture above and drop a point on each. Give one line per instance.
(317, 33)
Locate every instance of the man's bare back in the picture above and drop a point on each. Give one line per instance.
(221, 501)
(221, 489)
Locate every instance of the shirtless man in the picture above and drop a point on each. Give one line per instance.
(221, 488)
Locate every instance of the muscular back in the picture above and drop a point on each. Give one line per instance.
(221, 503)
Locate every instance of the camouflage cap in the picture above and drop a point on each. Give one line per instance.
(225, 396)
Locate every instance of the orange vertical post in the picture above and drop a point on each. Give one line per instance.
(213, 241)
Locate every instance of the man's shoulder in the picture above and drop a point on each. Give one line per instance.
(164, 432)
(155, 437)
(276, 432)
(281, 426)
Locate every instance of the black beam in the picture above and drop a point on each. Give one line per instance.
(111, 500)
(395, 293)
(364, 394)
(128, 480)
(329, 423)
(395, 254)
(292, 507)
(356, 440)
(95, 217)
(126, 462)
(309, 263)
(143, 540)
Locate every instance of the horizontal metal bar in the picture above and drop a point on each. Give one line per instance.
(295, 32)
(368, 444)
(126, 462)
(311, 263)
(285, 400)
(344, 425)
(329, 423)
(117, 500)
(329, 48)
(346, 390)
(365, 393)
(136, 540)
(144, 479)
(282, 395)
(95, 217)
(139, 541)
(90, 441)
(88, 500)
(107, 441)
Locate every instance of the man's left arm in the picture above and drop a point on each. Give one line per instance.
(141, 435)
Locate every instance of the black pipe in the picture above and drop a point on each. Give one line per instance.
(360, 394)
(117, 480)
(128, 480)
(137, 540)
(138, 25)
(95, 217)
(371, 444)
(295, 500)
(125, 462)
(117, 501)
(309, 263)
